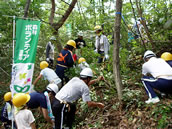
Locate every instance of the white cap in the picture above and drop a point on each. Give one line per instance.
(80, 33)
(86, 72)
(149, 54)
(53, 87)
(53, 38)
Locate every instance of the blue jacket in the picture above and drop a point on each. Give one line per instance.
(65, 58)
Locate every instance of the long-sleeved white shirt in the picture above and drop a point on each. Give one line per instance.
(102, 44)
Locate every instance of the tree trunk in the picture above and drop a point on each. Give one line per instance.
(59, 46)
(52, 12)
(116, 60)
(26, 8)
(65, 16)
(144, 24)
(59, 24)
(95, 18)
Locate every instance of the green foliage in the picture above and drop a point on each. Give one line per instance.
(131, 97)
(161, 112)
(123, 61)
(84, 17)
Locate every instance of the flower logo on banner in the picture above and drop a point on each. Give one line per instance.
(22, 76)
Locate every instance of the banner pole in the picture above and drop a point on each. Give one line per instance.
(14, 22)
(13, 36)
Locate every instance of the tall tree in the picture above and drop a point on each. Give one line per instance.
(62, 20)
(116, 60)
(51, 18)
(58, 24)
(26, 8)
(138, 5)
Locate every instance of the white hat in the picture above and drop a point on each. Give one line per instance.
(53, 87)
(80, 33)
(87, 72)
(53, 38)
(149, 54)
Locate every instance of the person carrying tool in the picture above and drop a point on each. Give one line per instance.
(101, 44)
(6, 112)
(50, 51)
(63, 106)
(167, 57)
(80, 43)
(43, 100)
(48, 74)
(161, 74)
(23, 117)
(65, 60)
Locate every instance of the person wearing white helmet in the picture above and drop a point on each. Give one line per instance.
(82, 64)
(50, 51)
(80, 43)
(43, 100)
(63, 106)
(101, 44)
(161, 74)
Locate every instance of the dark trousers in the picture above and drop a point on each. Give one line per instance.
(100, 59)
(63, 116)
(7, 125)
(163, 85)
(60, 71)
(51, 63)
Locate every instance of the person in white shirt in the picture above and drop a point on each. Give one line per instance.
(48, 74)
(82, 64)
(23, 117)
(161, 74)
(63, 105)
(101, 44)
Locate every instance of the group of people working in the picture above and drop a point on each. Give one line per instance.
(58, 101)
(101, 46)
(56, 104)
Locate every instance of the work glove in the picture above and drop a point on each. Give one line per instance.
(106, 56)
(95, 50)
(48, 59)
(81, 43)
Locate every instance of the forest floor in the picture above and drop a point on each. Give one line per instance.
(131, 113)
